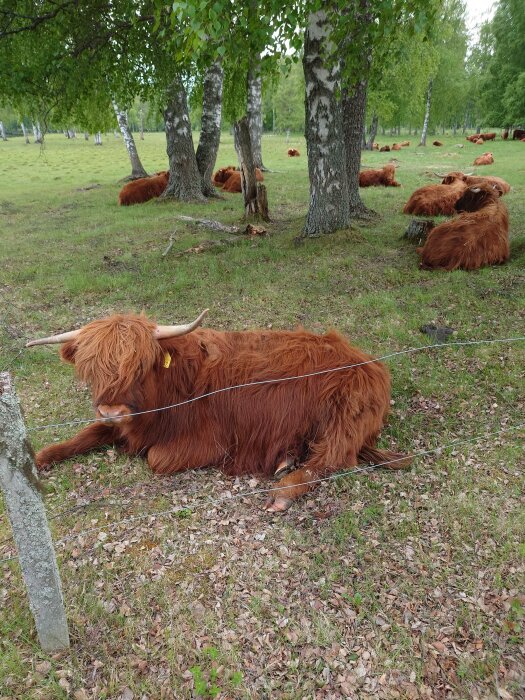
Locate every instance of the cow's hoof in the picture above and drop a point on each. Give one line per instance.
(277, 505)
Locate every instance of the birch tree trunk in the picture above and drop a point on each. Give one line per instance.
(329, 204)
(37, 133)
(24, 131)
(185, 181)
(254, 110)
(373, 132)
(423, 141)
(255, 196)
(137, 169)
(354, 109)
(210, 135)
(98, 139)
(2, 131)
(141, 115)
(86, 136)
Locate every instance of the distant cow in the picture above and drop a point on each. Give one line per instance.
(396, 146)
(233, 183)
(293, 152)
(479, 236)
(143, 189)
(485, 159)
(220, 177)
(437, 143)
(518, 134)
(384, 149)
(433, 200)
(404, 143)
(488, 137)
(473, 138)
(374, 178)
(472, 180)
(375, 147)
(479, 142)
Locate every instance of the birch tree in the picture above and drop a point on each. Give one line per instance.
(210, 134)
(137, 169)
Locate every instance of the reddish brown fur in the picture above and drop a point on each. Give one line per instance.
(396, 146)
(233, 183)
(485, 159)
(329, 421)
(144, 189)
(491, 136)
(375, 147)
(523, 139)
(433, 200)
(384, 149)
(473, 138)
(479, 236)
(479, 142)
(405, 143)
(221, 175)
(372, 178)
(437, 143)
(518, 134)
(471, 180)
(293, 152)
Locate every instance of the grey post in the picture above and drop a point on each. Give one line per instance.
(19, 483)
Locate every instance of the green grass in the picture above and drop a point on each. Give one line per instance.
(368, 572)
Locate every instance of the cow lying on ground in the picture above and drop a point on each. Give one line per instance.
(396, 146)
(437, 143)
(233, 183)
(479, 236)
(327, 422)
(144, 189)
(220, 177)
(373, 178)
(384, 149)
(293, 152)
(472, 180)
(518, 134)
(486, 159)
(433, 200)
(404, 143)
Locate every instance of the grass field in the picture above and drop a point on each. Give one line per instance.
(406, 585)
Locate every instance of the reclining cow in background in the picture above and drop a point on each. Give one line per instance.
(433, 200)
(233, 183)
(221, 175)
(327, 422)
(471, 180)
(374, 178)
(143, 189)
(293, 153)
(486, 159)
(518, 134)
(479, 236)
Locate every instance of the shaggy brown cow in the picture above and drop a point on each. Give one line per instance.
(437, 143)
(473, 138)
(405, 143)
(518, 134)
(144, 189)
(489, 137)
(220, 177)
(486, 159)
(433, 200)
(384, 149)
(328, 422)
(293, 152)
(233, 183)
(471, 180)
(396, 146)
(373, 178)
(479, 142)
(479, 236)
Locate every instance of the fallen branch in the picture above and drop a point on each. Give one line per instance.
(210, 223)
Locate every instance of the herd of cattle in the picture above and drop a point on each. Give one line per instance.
(476, 236)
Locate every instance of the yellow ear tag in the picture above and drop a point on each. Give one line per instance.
(167, 360)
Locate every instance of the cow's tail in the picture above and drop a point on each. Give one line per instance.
(383, 458)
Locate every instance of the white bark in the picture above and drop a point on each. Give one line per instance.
(2, 132)
(37, 133)
(254, 110)
(98, 138)
(24, 131)
(210, 135)
(137, 169)
(423, 141)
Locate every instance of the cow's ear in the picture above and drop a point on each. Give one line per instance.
(68, 351)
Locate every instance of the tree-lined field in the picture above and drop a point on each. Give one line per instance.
(383, 585)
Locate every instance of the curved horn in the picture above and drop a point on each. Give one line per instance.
(173, 331)
(469, 174)
(60, 338)
(439, 174)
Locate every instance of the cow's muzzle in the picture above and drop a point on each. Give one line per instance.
(113, 414)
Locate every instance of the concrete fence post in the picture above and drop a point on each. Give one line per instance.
(19, 483)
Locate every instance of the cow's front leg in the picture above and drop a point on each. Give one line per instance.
(182, 454)
(95, 435)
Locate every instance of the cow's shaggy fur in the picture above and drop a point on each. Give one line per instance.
(233, 183)
(433, 200)
(144, 189)
(485, 159)
(479, 236)
(374, 178)
(293, 153)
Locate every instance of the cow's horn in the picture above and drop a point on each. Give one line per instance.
(439, 174)
(173, 331)
(60, 338)
(469, 174)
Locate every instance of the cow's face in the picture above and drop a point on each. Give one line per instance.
(478, 196)
(114, 357)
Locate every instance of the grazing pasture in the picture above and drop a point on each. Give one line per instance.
(378, 585)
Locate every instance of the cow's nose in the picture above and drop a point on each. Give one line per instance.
(112, 414)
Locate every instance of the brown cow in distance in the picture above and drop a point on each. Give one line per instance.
(486, 159)
(479, 142)
(233, 183)
(437, 143)
(143, 189)
(518, 134)
(384, 149)
(404, 143)
(433, 200)
(293, 153)
(396, 146)
(373, 178)
(221, 175)
(488, 137)
(473, 138)
(479, 236)
(327, 422)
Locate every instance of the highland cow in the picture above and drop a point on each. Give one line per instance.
(437, 143)
(293, 152)
(486, 159)
(472, 180)
(374, 178)
(479, 236)
(144, 189)
(326, 420)
(433, 200)
(233, 183)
